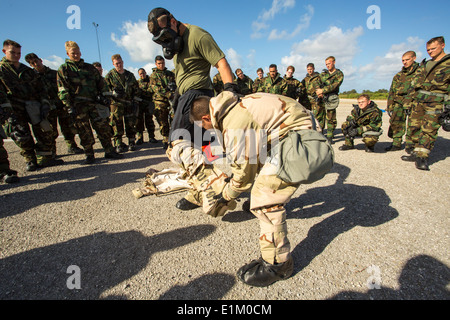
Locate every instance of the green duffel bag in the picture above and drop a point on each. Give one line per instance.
(305, 156)
(331, 102)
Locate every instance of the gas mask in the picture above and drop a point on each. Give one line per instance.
(171, 41)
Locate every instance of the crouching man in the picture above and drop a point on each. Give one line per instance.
(365, 120)
(273, 146)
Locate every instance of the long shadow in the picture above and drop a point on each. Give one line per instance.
(356, 205)
(422, 278)
(77, 183)
(441, 150)
(104, 260)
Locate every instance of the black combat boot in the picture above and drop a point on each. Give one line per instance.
(260, 273)
(185, 205)
(90, 159)
(9, 176)
(346, 147)
(422, 164)
(113, 155)
(370, 149)
(75, 150)
(411, 158)
(32, 166)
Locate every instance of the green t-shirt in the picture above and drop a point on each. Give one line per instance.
(193, 64)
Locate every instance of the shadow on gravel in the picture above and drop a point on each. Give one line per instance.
(74, 184)
(363, 206)
(104, 260)
(422, 278)
(441, 150)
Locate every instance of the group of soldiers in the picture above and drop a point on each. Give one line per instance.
(80, 99)
(318, 92)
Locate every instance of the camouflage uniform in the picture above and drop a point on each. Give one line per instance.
(330, 85)
(275, 86)
(124, 107)
(311, 83)
(146, 109)
(19, 87)
(369, 122)
(59, 114)
(431, 90)
(256, 84)
(79, 84)
(292, 86)
(400, 87)
(245, 85)
(159, 81)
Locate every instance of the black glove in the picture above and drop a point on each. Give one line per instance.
(352, 132)
(232, 87)
(101, 99)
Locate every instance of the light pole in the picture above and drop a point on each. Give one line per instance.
(98, 43)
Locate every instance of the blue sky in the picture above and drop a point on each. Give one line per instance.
(251, 33)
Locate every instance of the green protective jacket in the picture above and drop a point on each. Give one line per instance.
(126, 83)
(78, 79)
(275, 86)
(432, 83)
(370, 119)
(159, 81)
(331, 81)
(401, 86)
(245, 85)
(20, 84)
(292, 86)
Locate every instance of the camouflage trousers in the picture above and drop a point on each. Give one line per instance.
(397, 124)
(87, 114)
(4, 162)
(39, 151)
(162, 115)
(65, 125)
(122, 121)
(319, 112)
(368, 139)
(145, 120)
(331, 122)
(423, 127)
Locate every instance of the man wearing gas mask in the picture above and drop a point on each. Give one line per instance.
(193, 51)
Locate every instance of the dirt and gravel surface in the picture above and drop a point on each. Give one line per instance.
(375, 227)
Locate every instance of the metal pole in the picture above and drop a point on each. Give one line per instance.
(98, 43)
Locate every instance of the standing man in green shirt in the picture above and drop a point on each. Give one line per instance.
(193, 51)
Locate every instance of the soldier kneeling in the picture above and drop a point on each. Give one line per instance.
(365, 120)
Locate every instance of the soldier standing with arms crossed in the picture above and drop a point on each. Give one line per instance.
(194, 52)
(80, 86)
(146, 109)
(400, 87)
(430, 97)
(311, 83)
(332, 79)
(273, 83)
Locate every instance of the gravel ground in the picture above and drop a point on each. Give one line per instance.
(375, 228)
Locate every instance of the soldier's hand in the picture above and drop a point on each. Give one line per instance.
(221, 206)
(352, 132)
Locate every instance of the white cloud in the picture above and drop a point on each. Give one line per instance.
(53, 62)
(305, 20)
(385, 67)
(137, 41)
(262, 22)
(343, 45)
(234, 59)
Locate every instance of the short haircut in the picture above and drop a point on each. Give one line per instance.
(159, 58)
(30, 57)
(330, 58)
(9, 42)
(70, 45)
(273, 66)
(291, 67)
(260, 70)
(199, 108)
(310, 65)
(141, 69)
(364, 95)
(238, 69)
(440, 39)
(409, 53)
(116, 57)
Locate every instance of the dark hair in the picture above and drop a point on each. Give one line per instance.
(273, 66)
(31, 56)
(440, 39)
(158, 58)
(9, 42)
(310, 65)
(199, 108)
